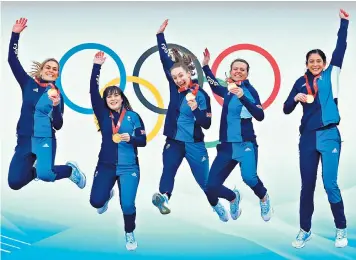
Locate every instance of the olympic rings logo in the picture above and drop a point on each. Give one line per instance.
(137, 81)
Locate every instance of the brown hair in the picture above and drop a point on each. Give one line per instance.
(37, 67)
(182, 60)
(240, 60)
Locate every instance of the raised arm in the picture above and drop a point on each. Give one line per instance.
(341, 44)
(20, 74)
(213, 82)
(96, 100)
(163, 49)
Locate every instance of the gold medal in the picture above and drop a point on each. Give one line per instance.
(310, 99)
(116, 138)
(190, 97)
(231, 86)
(52, 92)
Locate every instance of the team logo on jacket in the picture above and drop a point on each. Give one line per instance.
(167, 146)
(143, 132)
(128, 118)
(211, 81)
(208, 114)
(164, 48)
(16, 50)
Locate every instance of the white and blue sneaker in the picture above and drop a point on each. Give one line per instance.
(266, 209)
(131, 243)
(235, 209)
(341, 238)
(161, 202)
(301, 238)
(221, 211)
(105, 207)
(78, 177)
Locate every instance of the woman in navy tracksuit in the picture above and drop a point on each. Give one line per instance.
(122, 132)
(317, 91)
(188, 112)
(41, 115)
(238, 140)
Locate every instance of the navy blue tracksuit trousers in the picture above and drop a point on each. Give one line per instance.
(27, 151)
(229, 155)
(324, 144)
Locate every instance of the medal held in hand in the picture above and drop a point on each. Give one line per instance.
(310, 99)
(232, 84)
(53, 92)
(194, 91)
(116, 138)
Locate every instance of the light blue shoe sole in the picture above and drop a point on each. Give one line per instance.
(158, 201)
(105, 207)
(239, 210)
(83, 183)
(303, 245)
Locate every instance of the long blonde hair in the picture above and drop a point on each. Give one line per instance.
(37, 67)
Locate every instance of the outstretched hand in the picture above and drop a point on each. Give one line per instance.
(163, 26)
(206, 59)
(343, 14)
(99, 58)
(20, 25)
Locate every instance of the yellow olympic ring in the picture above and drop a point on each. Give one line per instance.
(155, 93)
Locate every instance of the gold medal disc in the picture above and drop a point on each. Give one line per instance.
(116, 138)
(190, 97)
(231, 86)
(52, 93)
(310, 99)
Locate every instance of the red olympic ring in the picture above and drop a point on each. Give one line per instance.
(264, 53)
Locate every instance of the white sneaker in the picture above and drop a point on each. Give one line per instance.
(161, 202)
(221, 211)
(78, 177)
(266, 209)
(341, 238)
(235, 209)
(105, 207)
(301, 238)
(131, 243)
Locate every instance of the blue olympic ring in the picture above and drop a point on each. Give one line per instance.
(81, 47)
